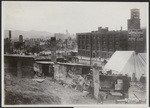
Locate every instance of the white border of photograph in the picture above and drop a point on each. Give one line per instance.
(76, 106)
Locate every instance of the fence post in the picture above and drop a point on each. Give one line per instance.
(96, 80)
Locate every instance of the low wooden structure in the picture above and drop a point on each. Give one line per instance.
(19, 65)
(61, 69)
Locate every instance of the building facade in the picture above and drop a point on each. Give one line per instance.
(136, 35)
(102, 43)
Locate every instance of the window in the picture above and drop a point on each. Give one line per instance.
(87, 47)
(129, 35)
(79, 46)
(87, 41)
(134, 30)
(141, 35)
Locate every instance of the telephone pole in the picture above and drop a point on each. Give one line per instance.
(91, 49)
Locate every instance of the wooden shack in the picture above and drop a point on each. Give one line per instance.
(19, 65)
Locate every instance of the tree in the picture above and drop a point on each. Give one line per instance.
(48, 44)
(35, 49)
(18, 45)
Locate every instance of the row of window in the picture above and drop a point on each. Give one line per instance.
(97, 54)
(137, 39)
(134, 30)
(83, 43)
(135, 35)
(80, 37)
(104, 48)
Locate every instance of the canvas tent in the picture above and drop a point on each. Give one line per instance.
(127, 62)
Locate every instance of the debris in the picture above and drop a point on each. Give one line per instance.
(116, 93)
(38, 80)
(137, 98)
(85, 93)
(122, 101)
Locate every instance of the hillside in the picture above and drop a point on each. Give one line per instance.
(27, 91)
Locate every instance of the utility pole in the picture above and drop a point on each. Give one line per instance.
(91, 49)
(66, 46)
(53, 49)
(135, 44)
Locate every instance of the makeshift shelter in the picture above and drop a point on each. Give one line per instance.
(127, 62)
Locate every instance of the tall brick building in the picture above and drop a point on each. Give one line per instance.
(136, 35)
(134, 21)
(103, 43)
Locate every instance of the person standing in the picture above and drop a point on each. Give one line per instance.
(80, 84)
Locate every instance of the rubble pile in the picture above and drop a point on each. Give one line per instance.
(27, 91)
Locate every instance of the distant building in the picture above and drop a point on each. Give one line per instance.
(53, 49)
(136, 36)
(20, 38)
(10, 36)
(103, 42)
(34, 41)
(8, 47)
(19, 45)
(61, 36)
(134, 21)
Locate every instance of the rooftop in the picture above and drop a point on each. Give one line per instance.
(17, 55)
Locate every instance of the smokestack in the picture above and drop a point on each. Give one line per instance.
(53, 49)
(20, 38)
(9, 35)
(99, 29)
(121, 28)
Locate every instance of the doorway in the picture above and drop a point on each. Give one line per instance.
(45, 69)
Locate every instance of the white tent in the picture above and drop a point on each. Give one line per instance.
(127, 62)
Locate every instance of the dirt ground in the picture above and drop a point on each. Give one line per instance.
(28, 91)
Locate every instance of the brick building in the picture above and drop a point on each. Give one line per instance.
(103, 42)
(136, 35)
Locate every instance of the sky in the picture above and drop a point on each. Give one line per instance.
(76, 17)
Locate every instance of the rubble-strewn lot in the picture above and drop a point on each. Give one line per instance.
(28, 91)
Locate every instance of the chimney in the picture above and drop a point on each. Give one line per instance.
(106, 28)
(53, 49)
(9, 35)
(99, 29)
(20, 38)
(121, 28)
